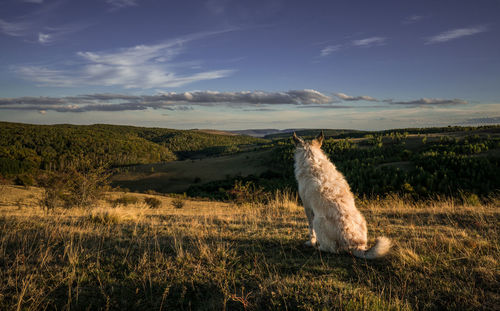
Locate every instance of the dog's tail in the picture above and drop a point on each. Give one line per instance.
(380, 249)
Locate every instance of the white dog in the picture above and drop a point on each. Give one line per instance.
(335, 225)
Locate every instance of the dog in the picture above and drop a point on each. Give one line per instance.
(335, 224)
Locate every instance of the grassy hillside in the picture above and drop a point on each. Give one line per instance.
(178, 176)
(24, 147)
(209, 256)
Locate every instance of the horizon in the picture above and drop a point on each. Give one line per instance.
(258, 129)
(227, 65)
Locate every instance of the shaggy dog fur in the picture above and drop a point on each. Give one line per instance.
(335, 224)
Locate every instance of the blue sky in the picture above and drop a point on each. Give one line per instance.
(250, 64)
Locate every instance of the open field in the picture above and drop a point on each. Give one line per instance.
(219, 256)
(177, 176)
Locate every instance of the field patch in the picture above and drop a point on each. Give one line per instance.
(177, 176)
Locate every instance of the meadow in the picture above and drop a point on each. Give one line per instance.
(222, 256)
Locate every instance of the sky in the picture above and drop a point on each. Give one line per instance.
(230, 65)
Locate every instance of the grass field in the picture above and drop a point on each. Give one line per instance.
(218, 256)
(177, 176)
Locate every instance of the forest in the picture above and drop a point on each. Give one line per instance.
(26, 148)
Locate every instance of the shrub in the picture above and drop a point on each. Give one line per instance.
(85, 183)
(178, 201)
(24, 180)
(52, 190)
(247, 192)
(103, 218)
(125, 200)
(152, 202)
(470, 199)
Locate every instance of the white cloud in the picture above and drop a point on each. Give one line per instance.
(44, 38)
(455, 34)
(346, 97)
(330, 49)
(367, 42)
(142, 66)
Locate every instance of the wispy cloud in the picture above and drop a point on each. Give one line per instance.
(141, 66)
(359, 43)
(119, 4)
(35, 26)
(330, 49)
(169, 101)
(455, 34)
(367, 42)
(413, 19)
(14, 29)
(423, 102)
(346, 97)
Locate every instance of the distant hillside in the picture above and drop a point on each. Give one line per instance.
(309, 133)
(350, 133)
(264, 132)
(24, 147)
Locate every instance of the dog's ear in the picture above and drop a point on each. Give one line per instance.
(320, 138)
(297, 140)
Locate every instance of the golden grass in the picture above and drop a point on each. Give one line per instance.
(212, 255)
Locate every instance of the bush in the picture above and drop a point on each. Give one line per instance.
(85, 183)
(52, 185)
(152, 202)
(178, 201)
(125, 200)
(24, 180)
(471, 199)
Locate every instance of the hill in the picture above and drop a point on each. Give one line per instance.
(212, 255)
(24, 147)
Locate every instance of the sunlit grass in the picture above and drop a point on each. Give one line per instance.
(212, 255)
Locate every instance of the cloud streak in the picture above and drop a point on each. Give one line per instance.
(360, 43)
(425, 102)
(368, 42)
(169, 101)
(346, 97)
(413, 19)
(35, 27)
(141, 66)
(255, 100)
(119, 4)
(330, 49)
(455, 34)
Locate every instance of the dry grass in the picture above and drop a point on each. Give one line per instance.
(211, 255)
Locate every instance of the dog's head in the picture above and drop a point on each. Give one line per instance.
(300, 143)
